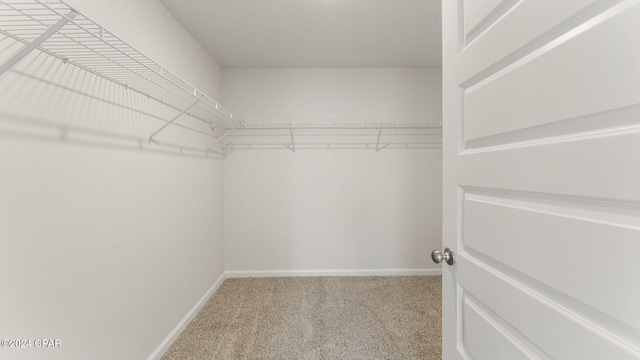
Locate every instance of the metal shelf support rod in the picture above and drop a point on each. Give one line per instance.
(37, 42)
(172, 120)
(379, 135)
(293, 143)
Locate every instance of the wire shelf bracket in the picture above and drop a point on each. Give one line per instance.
(293, 143)
(220, 141)
(172, 120)
(379, 136)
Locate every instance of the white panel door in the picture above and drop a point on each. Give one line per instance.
(541, 179)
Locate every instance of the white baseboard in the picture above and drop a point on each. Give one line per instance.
(173, 335)
(287, 273)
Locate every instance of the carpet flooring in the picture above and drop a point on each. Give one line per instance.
(357, 318)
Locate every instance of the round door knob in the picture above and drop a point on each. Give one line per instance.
(447, 255)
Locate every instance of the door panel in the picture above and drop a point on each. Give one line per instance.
(523, 27)
(541, 179)
(556, 325)
(480, 324)
(533, 229)
(565, 165)
(478, 15)
(512, 100)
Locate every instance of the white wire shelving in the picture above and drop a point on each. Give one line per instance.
(54, 29)
(363, 135)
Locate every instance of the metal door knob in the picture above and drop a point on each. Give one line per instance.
(447, 255)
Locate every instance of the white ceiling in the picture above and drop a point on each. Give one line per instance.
(315, 33)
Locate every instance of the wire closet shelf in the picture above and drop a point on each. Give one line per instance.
(56, 29)
(364, 135)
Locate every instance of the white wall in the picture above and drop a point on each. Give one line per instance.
(349, 210)
(105, 244)
(347, 94)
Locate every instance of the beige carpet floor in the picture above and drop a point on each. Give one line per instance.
(317, 318)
